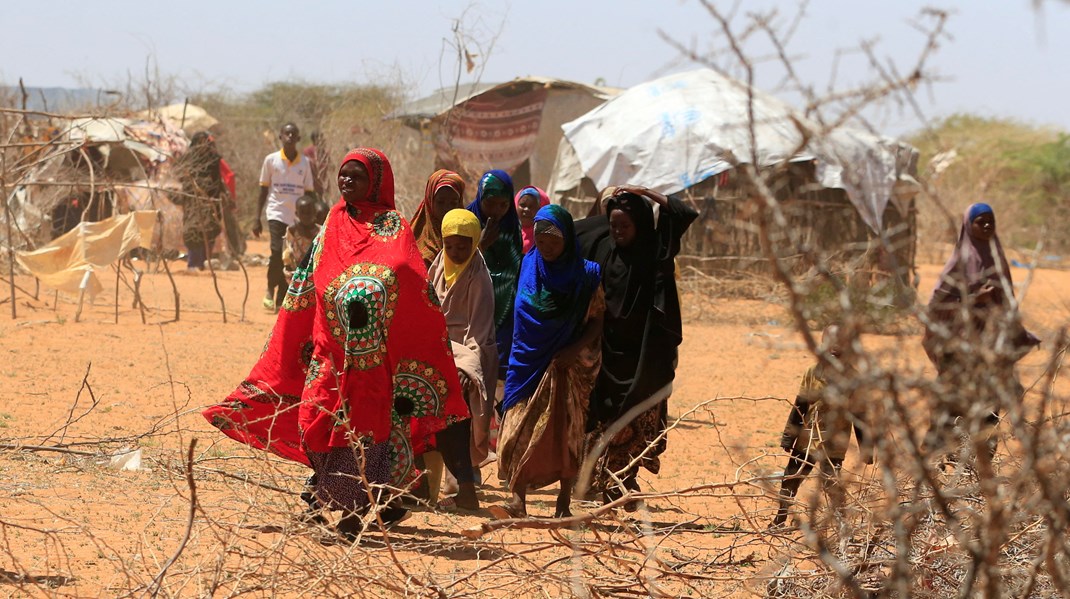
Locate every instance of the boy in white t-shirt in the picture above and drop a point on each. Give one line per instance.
(285, 176)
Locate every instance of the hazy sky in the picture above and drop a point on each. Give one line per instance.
(1002, 57)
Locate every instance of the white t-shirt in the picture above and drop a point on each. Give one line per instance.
(286, 181)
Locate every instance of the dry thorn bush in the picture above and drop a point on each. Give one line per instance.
(222, 521)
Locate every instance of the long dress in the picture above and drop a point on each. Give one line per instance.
(202, 193)
(357, 372)
(541, 439)
(642, 328)
(545, 406)
(471, 330)
(974, 343)
(503, 259)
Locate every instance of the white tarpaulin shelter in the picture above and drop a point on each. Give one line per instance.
(673, 132)
(95, 157)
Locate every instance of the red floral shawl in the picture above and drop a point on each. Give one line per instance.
(360, 348)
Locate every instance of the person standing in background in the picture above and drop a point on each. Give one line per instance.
(444, 192)
(203, 192)
(528, 201)
(285, 176)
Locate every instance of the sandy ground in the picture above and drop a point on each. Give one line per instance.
(72, 526)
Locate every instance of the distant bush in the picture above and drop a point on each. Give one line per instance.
(1043, 178)
(882, 306)
(348, 115)
(1022, 170)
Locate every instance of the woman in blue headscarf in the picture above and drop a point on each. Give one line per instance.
(501, 245)
(974, 335)
(556, 354)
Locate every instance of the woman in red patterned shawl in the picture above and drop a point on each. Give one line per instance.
(358, 370)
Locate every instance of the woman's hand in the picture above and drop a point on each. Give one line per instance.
(490, 234)
(643, 191)
(986, 295)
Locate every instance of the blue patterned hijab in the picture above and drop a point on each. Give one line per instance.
(551, 303)
(503, 257)
(497, 183)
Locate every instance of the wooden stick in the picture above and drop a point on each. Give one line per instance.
(157, 582)
(10, 241)
(167, 267)
(17, 447)
(245, 298)
(139, 303)
(174, 288)
(478, 531)
(215, 281)
(12, 281)
(117, 273)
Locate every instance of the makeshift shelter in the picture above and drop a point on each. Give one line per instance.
(514, 126)
(91, 168)
(848, 192)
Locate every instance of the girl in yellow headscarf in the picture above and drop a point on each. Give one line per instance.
(463, 232)
(462, 283)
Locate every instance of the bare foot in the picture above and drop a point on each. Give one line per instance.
(473, 532)
(507, 511)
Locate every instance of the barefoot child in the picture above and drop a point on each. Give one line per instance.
(463, 286)
(301, 234)
(819, 425)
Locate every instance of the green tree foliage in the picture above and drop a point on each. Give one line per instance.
(348, 115)
(1043, 178)
(1022, 170)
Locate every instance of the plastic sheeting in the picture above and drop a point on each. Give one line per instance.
(671, 133)
(71, 261)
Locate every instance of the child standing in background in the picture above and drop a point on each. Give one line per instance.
(301, 234)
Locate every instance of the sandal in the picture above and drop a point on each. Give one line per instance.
(447, 504)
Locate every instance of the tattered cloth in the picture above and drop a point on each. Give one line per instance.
(497, 129)
(70, 261)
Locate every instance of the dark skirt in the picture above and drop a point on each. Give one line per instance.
(339, 485)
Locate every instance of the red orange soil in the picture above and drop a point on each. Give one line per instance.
(70, 526)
